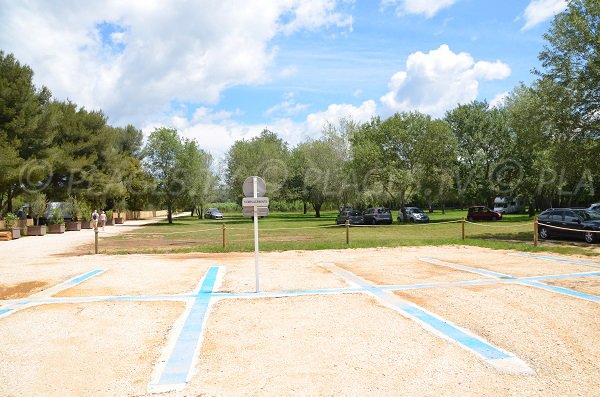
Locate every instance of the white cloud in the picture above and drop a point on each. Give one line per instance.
(439, 80)
(313, 14)
(289, 107)
(499, 99)
(217, 131)
(288, 71)
(185, 52)
(316, 121)
(426, 7)
(540, 10)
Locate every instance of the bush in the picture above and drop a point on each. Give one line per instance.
(57, 217)
(38, 205)
(86, 211)
(10, 219)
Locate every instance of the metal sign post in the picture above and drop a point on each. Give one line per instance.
(255, 195)
(255, 186)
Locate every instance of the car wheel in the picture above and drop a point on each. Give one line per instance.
(470, 219)
(494, 218)
(373, 222)
(544, 234)
(411, 220)
(589, 237)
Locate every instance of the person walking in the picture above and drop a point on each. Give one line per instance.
(95, 217)
(103, 220)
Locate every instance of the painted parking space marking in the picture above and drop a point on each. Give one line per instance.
(559, 276)
(498, 358)
(178, 367)
(12, 307)
(476, 270)
(554, 259)
(562, 291)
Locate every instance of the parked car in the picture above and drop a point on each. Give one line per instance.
(569, 223)
(414, 215)
(213, 213)
(355, 217)
(482, 213)
(377, 216)
(595, 207)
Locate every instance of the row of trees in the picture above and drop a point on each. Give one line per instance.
(69, 152)
(542, 144)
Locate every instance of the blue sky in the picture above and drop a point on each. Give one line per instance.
(222, 71)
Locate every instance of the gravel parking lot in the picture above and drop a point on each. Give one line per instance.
(402, 321)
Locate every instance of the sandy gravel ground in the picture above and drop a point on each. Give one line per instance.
(321, 345)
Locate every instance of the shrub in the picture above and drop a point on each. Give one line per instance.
(57, 217)
(10, 219)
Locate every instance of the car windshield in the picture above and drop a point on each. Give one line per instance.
(588, 215)
(417, 211)
(354, 213)
(383, 211)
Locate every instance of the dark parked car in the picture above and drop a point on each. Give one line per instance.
(377, 216)
(213, 213)
(414, 215)
(355, 217)
(570, 223)
(481, 213)
(595, 207)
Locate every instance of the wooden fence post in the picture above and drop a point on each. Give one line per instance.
(347, 231)
(535, 232)
(96, 240)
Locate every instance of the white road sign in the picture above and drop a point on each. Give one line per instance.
(248, 187)
(260, 211)
(255, 202)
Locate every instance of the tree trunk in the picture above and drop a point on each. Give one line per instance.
(443, 207)
(170, 214)
(304, 207)
(317, 210)
(193, 210)
(9, 199)
(531, 208)
(201, 212)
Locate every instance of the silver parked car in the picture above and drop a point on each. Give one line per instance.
(377, 216)
(414, 215)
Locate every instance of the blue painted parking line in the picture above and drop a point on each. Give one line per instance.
(559, 276)
(563, 291)
(476, 270)
(4, 311)
(82, 278)
(178, 367)
(495, 356)
(554, 259)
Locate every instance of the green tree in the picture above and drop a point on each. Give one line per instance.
(195, 168)
(484, 143)
(437, 160)
(266, 156)
(387, 154)
(25, 136)
(571, 70)
(162, 153)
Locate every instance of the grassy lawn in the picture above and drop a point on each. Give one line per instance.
(296, 231)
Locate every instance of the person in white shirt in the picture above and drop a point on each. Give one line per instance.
(95, 217)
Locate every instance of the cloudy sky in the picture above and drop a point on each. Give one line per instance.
(222, 70)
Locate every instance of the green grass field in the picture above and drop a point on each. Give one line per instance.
(295, 231)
